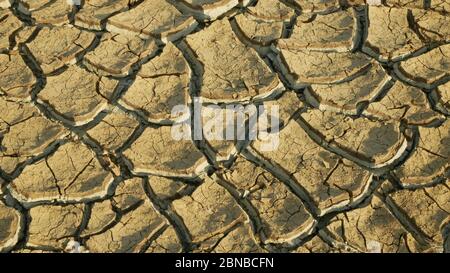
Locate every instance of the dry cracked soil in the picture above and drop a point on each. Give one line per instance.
(87, 161)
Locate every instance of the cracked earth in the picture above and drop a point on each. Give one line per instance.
(87, 161)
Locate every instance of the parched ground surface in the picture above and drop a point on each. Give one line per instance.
(87, 161)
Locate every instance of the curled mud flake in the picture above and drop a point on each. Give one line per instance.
(9, 24)
(167, 189)
(442, 97)
(303, 67)
(118, 225)
(337, 31)
(215, 208)
(238, 240)
(430, 160)
(157, 152)
(265, 22)
(427, 70)
(206, 10)
(397, 33)
(95, 12)
(56, 12)
(166, 242)
(401, 42)
(342, 183)
(314, 6)
(117, 54)
(281, 111)
(54, 226)
(128, 194)
(72, 173)
(24, 133)
(16, 79)
(284, 217)
(316, 245)
(76, 95)
(55, 47)
(155, 18)
(404, 102)
(162, 84)
(224, 130)
(10, 225)
(113, 130)
(101, 217)
(371, 228)
(429, 210)
(231, 70)
(370, 143)
(348, 97)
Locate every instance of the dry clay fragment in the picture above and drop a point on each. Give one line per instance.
(113, 130)
(208, 9)
(117, 53)
(161, 85)
(315, 6)
(157, 152)
(430, 160)
(167, 189)
(8, 25)
(265, 22)
(404, 102)
(370, 143)
(370, 229)
(279, 112)
(395, 34)
(55, 47)
(428, 70)
(271, 10)
(331, 181)
(239, 240)
(442, 97)
(16, 79)
(94, 13)
(284, 217)
(223, 129)
(10, 225)
(338, 31)
(167, 242)
(304, 67)
(73, 172)
(155, 18)
(135, 226)
(127, 197)
(76, 95)
(128, 194)
(429, 210)
(316, 245)
(210, 210)
(55, 12)
(101, 217)
(348, 97)
(53, 226)
(231, 70)
(24, 133)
